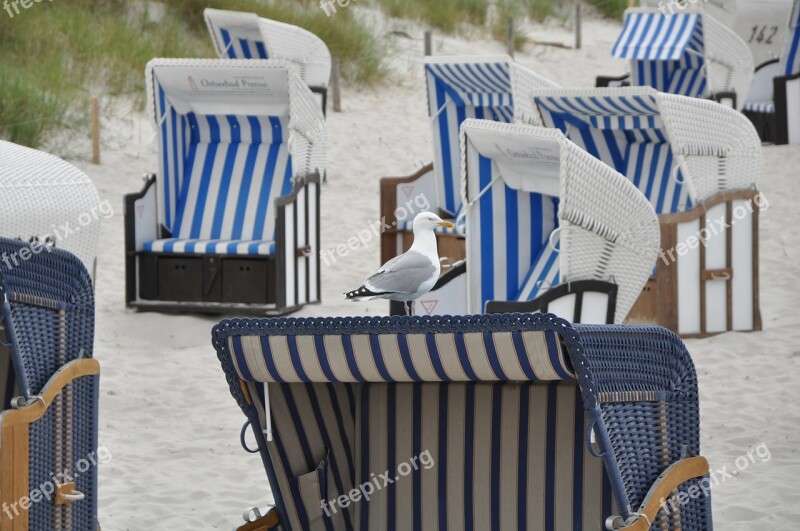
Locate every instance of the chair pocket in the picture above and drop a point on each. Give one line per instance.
(310, 490)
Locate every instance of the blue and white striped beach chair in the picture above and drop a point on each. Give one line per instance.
(495, 422)
(687, 53)
(541, 211)
(48, 391)
(232, 221)
(458, 88)
(774, 100)
(239, 35)
(698, 162)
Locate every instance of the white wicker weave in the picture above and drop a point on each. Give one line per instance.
(47, 199)
(525, 82)
(299, 46)
(717, 148)
(281, 41)
(308, 138)
(608, 229)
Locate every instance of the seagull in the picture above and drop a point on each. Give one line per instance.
(410, 275)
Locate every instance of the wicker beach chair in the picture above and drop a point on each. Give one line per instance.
(698, 163)
(538, 218)
(232, 221)
(687, 53)
(759, 23)
(773, 104)
(458, 88)
(238, 35)
(49, 391)
(505, 421)
(50, 201)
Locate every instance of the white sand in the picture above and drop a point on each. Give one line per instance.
(173, 429)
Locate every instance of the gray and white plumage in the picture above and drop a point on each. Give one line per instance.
(412, 274)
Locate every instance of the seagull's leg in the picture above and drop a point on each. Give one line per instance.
(410, 305)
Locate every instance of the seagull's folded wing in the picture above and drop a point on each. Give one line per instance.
(402, 274)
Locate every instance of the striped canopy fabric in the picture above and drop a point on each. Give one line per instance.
(236, 35)
(655, 36)
(220, 172)
(441, 453)
(457, 357)
(626, 132)
(461, 88)
(666, 51)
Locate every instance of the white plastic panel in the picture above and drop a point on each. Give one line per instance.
(302, 263)
(525, 163)
(793, 110)
(415, 197)
(144, 218)
(716, 290)
(313, 261)
(594, 308)
(688, 266)
(742, 259)
(289, 259)
(563, 307)
(450, 299)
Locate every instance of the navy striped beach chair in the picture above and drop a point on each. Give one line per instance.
(698, 163)
(49, 390)
(687, 52)
(773, 104)
(238, 35)
(492, 422)
(232, 220)
(458, 88)
(537, 214)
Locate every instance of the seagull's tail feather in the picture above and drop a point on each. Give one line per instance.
(362, 293)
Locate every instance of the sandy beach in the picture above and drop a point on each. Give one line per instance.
(172, 428)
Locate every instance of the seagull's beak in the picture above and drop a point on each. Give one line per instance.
(447, 224)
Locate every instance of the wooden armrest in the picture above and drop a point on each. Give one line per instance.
(271, 520)
(62, 377)
(15, 444)
(669, 480)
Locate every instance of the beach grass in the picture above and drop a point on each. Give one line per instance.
(56, 55)
(610, 8)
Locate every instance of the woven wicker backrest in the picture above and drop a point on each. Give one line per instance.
(47, 317)
(478, 421)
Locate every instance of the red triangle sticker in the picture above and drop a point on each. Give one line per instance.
(408, 189)
(429, 306)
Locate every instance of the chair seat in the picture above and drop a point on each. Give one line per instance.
(760, 106)
(198, 246)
